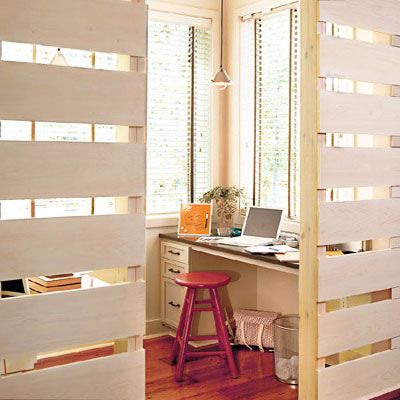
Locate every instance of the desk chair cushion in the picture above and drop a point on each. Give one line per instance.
(203, 280)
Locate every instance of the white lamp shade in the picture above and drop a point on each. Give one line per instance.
(59, 59)
(221, 79)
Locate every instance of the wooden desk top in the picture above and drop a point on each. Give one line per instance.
(230, 250)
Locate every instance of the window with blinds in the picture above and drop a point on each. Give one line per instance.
(179, 112)
(269, 114)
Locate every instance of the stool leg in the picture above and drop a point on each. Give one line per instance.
(182, 320)
(217, 325)
(185, 336)
(224, 333)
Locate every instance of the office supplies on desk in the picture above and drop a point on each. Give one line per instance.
(210, 239)
(277, 249)
(293, 256)
(261, 227)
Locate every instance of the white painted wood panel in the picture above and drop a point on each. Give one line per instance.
(364, 378)
(52, 246)
(349, 221)
(31, 170)
(59, 320)
(64, 94)
(352, 274)
(359, 114)
(360, 61)
(380, 16)
(396, 343)
(358, 167)
(354, 327)
(109, 378)
(113, 26)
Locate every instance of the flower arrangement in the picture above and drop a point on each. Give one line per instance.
(228, 199)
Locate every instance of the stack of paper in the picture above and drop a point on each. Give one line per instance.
(278, 249)
(289, 257)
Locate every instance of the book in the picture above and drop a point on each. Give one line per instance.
(56, 280)
(34, 287)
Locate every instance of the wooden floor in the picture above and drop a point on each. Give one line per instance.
(205, 379)
(209, 379)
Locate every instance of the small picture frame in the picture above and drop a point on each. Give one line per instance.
(195, 219)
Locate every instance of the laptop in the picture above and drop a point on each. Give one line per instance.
(261, 227)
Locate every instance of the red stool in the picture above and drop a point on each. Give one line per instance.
(194, 281)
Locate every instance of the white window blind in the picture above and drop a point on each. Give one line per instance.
(178, 140)
(270, 140)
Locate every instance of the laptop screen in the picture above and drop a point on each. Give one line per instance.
(262, 222)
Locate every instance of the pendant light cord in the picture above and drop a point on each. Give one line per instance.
(222, 29)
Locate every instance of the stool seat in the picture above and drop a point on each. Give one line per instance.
(203, 280)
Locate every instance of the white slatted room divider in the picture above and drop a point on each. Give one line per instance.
(326, 333)
(32, 170)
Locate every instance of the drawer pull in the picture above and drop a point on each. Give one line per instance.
(175, 253)
(174, 271)
(171, 303)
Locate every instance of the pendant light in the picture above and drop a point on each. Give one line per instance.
(59, 59)
(221, 79)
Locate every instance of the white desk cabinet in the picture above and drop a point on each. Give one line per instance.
(175, 259)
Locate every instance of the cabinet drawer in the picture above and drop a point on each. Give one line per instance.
(175, 252)
(174, 296)
(171, 269)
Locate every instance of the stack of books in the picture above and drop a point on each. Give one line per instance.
(54, 283)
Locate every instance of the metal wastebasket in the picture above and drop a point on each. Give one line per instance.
(286, 348)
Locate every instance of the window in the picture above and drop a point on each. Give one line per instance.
(179, 108)
(269, 111)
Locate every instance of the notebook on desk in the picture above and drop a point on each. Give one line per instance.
(261, 227)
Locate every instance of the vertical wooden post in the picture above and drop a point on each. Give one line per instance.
(308, 280)
(136, 205)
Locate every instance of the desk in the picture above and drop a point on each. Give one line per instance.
(261, 282)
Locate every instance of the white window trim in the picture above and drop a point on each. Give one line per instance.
(234, 107)
(181, 12)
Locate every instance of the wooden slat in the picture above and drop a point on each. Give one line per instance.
(363, 378)
(31, 170)
(354, 327)
(358, 167)
(349, 221)
(348, 275)
(359, 114)
(115, 377)
(308, 278)
(104, 25)
(63, 94)
(59, 320)
(343, 58)
(51, 246)
(380, 16)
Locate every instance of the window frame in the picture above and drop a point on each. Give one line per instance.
(187, 14)
(256, 10)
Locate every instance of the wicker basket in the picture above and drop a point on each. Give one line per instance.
(254, 328)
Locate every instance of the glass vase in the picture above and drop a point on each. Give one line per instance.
(224, 221)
